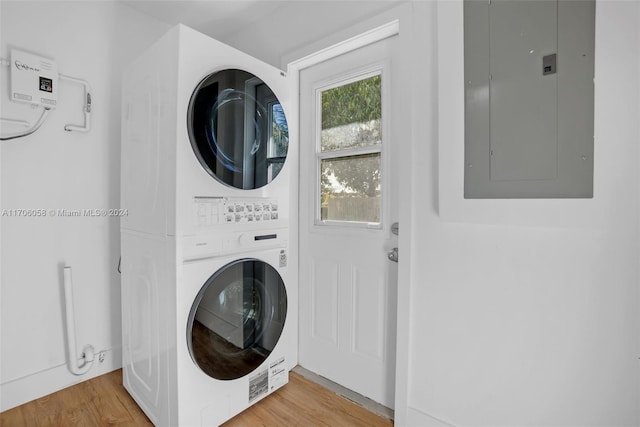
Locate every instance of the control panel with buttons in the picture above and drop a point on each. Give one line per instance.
(210, 211)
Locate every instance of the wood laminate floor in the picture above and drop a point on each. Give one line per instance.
(103, 401)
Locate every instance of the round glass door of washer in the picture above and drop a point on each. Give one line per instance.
(238, 129)
(236, 319)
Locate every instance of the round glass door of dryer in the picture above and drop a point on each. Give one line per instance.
(236, 319)
(238, 129)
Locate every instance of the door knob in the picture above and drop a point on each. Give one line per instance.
(393, 255)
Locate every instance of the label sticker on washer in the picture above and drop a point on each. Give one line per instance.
(278, 374)
(283, 258)
(258, 385)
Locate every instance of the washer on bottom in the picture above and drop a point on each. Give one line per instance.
(236, 338)
(221, 336)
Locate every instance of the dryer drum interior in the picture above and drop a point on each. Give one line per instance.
(236, 319)
(238, 129)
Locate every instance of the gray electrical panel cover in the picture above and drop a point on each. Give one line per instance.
(529, 69)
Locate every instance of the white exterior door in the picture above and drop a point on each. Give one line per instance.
(347, 207)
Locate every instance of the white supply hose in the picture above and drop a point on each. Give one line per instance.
(27, 132)
(77, 366)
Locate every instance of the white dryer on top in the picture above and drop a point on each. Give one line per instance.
(204, 136)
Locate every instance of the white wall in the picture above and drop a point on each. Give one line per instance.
(54, 169)
(523, 312)
(528, 309)
(299, 27)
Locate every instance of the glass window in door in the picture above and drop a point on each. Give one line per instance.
(349, 151)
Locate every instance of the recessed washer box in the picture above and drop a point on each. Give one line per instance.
(34, 79)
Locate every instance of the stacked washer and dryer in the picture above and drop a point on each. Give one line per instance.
(209, 310)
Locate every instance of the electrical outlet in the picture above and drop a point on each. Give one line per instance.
(101, 356)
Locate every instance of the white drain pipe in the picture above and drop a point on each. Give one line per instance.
(81, 365)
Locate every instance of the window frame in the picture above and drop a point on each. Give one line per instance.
(378, 69)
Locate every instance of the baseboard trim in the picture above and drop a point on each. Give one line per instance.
(22, 390)
(416, 417)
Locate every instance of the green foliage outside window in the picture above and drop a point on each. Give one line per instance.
(353, 103)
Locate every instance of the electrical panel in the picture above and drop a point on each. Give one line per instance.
(529, 99)
(34, 79)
